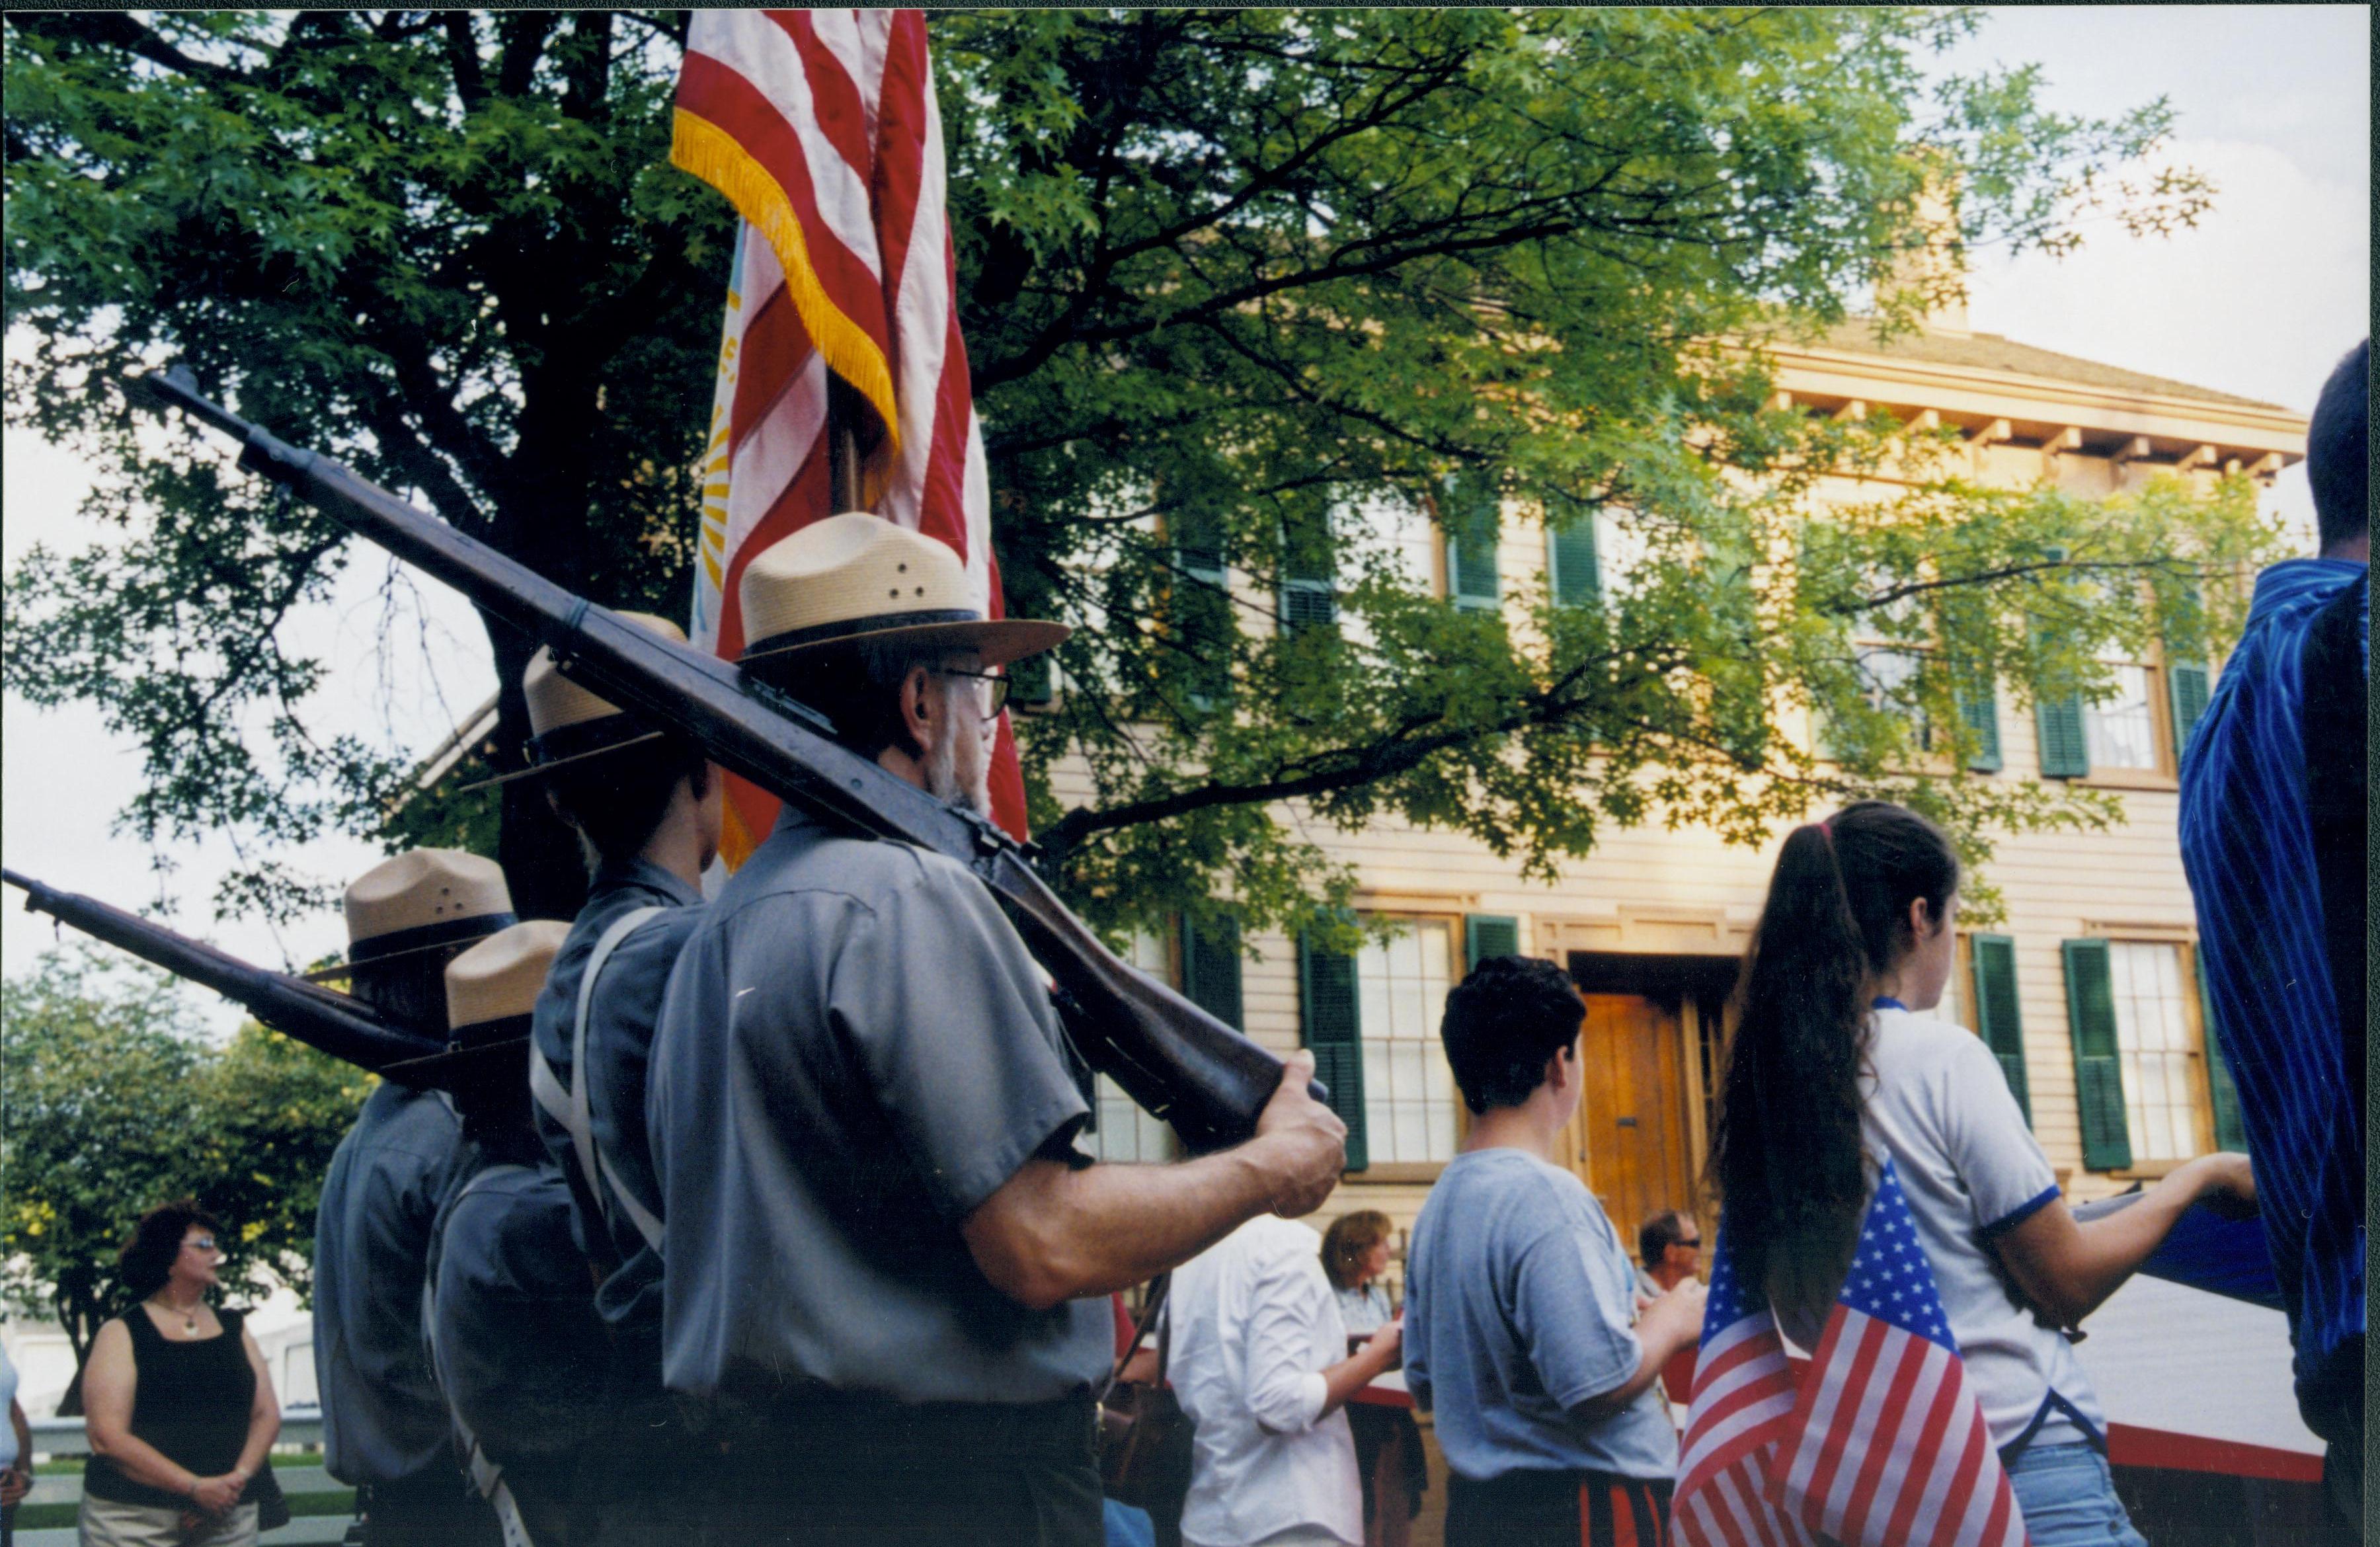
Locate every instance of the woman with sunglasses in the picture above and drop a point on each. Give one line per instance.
(178, 1407)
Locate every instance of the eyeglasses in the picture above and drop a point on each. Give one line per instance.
(996, 685)
(1694, 1245)
(204, 1243)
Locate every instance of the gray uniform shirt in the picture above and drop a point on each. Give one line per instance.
(519, 1344)
(619, 1043)
(382, 1419)
(854, 1051)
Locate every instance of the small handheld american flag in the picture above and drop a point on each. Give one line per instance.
(1881, 1444)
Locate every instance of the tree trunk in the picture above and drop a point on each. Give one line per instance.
(81, 1324)
(544, 866)
(542, 523)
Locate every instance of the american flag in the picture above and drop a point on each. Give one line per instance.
(1882, 1443)
(1741, 1407)
(821, 127)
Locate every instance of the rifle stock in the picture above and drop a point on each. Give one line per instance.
(338, 1024)
(1171, 1056)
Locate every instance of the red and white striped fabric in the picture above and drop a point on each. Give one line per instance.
(1881, 1445)
(1740, 1411)
(822, 128)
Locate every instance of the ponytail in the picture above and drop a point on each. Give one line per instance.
(1785, 1158)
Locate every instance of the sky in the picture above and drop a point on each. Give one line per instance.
(2272, 102)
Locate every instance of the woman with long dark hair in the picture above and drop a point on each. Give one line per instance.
(175, 1399)
(1837, 1066)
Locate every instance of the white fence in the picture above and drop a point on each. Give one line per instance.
(57, 1437)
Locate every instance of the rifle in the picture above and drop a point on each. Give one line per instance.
(1171, 1056)
(339, 1024)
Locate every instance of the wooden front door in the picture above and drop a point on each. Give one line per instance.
(1629, 1140)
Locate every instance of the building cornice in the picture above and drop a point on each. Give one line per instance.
(2039, 409)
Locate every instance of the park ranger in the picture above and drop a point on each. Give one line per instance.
(384, 1428)
(881, 1243)
(509, 1316)
(649, 809)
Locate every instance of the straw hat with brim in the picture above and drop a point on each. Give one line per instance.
(491, 991)
(857, 578)
(427, 899)
(568, 724)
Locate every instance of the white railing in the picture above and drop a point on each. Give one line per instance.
(57, 1437)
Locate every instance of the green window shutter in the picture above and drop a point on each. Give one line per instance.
(2098, 1063)
(2187, 682)
(1997, 1015)
(1307, 605)
(2057, 723)
(2230, 1133)
(1210, 969)
(1979, 709)
(2065, 754)
(1488, 934)
(1574, 571)
(1310, 595)
(1474, 512)
(1331, 1021)
(1202, 611)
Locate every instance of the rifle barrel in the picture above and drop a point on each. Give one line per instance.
(1168, 1054)
(338, 1024)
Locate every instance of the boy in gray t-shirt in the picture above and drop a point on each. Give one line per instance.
(1520, 1330)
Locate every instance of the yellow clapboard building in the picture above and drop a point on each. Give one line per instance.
(2088, 991)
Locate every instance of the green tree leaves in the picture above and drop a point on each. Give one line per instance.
(115, 1103)
(1227, 278)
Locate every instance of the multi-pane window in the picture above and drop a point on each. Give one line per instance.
(2121, 731)
(2158, 1052)
(1122, 1131)
(1409, 1097)
(1885, 673)
(1125, 1132)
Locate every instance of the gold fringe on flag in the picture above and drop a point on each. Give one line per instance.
(701, 147)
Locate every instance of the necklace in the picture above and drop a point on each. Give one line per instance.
(189, 1317)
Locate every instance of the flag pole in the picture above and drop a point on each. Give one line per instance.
(845, 408)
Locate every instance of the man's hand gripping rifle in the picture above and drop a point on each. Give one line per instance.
(1168, 1055)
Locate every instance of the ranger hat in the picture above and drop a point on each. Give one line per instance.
(423, 900)
(858, 577)
(569, 723)
(490, 991)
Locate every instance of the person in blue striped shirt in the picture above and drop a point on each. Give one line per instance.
(2272, 838)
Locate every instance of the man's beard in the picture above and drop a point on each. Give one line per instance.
(942, 778)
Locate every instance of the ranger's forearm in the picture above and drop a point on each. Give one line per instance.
(1052, 1233)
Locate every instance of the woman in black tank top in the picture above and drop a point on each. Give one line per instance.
(180, 1412)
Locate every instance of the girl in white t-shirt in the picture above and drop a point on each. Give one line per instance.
(1837, 1066)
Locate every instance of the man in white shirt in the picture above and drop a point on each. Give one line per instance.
(1258, 1360)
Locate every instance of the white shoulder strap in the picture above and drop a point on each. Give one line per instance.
(570, 1106)
(486, 1475)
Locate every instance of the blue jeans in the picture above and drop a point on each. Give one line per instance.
(2069, 1500)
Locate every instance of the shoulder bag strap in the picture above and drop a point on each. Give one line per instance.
(570, 1106)
(486, 1475)
(1139, 1330)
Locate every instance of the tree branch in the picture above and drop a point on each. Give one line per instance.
(117, 29)
(2009, 572)
(1398, 751)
